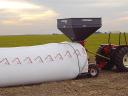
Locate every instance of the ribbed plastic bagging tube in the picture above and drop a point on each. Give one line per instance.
(42, 63)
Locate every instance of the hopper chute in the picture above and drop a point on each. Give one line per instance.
(78, 29)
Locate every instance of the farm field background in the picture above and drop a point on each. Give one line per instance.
(92, 43)
(108, 83)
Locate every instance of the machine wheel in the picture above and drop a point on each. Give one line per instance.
(93, 70)
(121, 59)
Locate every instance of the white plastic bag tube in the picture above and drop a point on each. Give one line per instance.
(37, 64)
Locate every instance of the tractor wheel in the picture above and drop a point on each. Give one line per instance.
(93, 70)
(121, 59)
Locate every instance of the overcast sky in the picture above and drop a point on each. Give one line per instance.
(39, 16)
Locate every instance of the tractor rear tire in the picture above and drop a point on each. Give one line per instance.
(121, 59)
(93, 70)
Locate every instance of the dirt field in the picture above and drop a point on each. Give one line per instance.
(107, 84)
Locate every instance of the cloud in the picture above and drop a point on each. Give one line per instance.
(108, 3)
(123, 19)
(30, 16)
(15, 4)
(39, 16)
(17, 12)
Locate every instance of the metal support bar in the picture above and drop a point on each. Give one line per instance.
(120, 38)
(125, 38)
(109, 39)
(98, 55)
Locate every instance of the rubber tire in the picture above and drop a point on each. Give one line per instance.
(118, 59)
(93, 67)
(109, 64)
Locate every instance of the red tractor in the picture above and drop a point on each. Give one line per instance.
(110, 56)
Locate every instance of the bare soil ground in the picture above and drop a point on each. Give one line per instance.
(107, 84)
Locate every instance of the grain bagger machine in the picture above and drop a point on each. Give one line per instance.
(78, 29)
(108, 55)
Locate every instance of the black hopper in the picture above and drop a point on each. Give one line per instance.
(78, 29)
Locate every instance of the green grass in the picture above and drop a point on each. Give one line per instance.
(92, 42)
(13, 41)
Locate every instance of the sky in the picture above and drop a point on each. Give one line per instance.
(20, 17)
